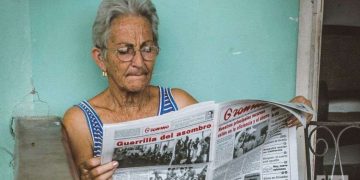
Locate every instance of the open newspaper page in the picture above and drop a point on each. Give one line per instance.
(172, 146)
(253, 142)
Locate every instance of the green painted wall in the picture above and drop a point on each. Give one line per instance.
(15, 71)
(222, 50)
(216, 50)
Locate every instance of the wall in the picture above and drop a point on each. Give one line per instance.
(216, 50)
(63, 70)
(15, 71)
(236, 49)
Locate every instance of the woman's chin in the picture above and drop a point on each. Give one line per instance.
(137, 87)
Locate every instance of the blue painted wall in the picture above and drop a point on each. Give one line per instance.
(221, 50)
(216, 50)
(15, 72)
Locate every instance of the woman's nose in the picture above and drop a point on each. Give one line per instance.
(137, 60)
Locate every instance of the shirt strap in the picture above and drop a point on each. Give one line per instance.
(95, 126)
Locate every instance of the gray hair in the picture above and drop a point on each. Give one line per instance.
(110, 9)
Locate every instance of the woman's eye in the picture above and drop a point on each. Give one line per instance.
(146, 49)
(123, 50)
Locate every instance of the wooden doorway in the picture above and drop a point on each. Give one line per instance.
(329, 73)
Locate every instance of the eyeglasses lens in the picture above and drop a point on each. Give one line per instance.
(149, 53)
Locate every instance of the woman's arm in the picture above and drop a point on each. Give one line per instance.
(182, 98)
(80, 143)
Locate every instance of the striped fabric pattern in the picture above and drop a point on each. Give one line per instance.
(167, 104)
(95, 126)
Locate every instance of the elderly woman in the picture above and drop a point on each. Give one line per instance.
(125, 39)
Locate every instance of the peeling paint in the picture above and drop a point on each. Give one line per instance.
(296, 19)
(236, 53)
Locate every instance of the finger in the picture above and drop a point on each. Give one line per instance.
(309, 117)
(106, 176)
(91, 163)
(88, 165)
(294, 123)
(298, 99)
(291, 118)
(84, 176)
(104, 169)
(291, 123)
(83, 171)
(302, 100)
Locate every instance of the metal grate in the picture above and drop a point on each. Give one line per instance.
(334, 138)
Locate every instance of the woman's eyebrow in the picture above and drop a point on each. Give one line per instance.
(124, 43)
(147, 42)
(131, 44)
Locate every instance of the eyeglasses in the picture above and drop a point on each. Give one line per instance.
(127, 52)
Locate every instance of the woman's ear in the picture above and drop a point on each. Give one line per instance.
(98, 58)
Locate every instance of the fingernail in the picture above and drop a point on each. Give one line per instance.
(115, 164)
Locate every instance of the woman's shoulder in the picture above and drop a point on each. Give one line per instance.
(182, 98)
(74, 119)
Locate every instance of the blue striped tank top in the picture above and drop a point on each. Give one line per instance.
(166, 104)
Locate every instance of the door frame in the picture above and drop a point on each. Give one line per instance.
(308, 68)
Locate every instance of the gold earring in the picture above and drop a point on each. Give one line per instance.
(104, 74)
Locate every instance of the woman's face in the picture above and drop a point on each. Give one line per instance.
(129, 31)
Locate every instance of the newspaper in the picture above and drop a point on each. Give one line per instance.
(242, 140)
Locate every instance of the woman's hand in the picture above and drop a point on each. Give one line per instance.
(293, 121)
(93, 170)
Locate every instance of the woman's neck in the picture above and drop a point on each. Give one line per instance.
(120, 99)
